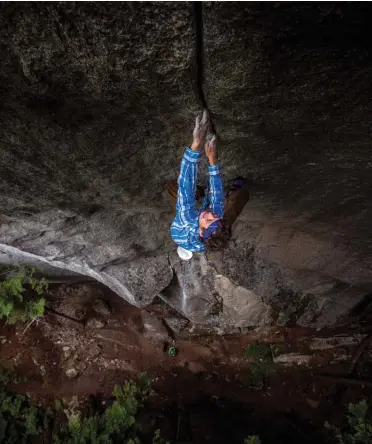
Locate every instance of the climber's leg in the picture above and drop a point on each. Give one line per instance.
(235, 201)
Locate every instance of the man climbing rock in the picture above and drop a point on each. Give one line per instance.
(197, 229)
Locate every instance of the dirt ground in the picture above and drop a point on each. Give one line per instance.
(83, 347)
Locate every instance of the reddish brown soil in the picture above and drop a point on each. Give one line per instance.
(199, 394)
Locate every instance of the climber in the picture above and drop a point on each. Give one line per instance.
(193, 229)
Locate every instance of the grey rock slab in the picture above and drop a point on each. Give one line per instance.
(143, 278)
(71, 373)
(95, 323)
(241, 307)
(176, 324)
(153, 328)
(296, 293)
(191, 290)
(336, 341)
(292, 359)
(206, 297)
(123, 338)
(93, 123)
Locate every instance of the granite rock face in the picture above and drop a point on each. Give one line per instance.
(287, 85)
(98, 101)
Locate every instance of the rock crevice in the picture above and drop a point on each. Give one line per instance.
(199, 53)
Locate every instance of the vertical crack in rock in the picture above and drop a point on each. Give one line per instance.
(199, 53)
(199, 58)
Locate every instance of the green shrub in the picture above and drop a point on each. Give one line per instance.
(359, 429)
(57, 405)
(116, 424)
(157, 439)
(253, 439)
(262, 366)
(14, 306)
(20, 418)
(259, 351)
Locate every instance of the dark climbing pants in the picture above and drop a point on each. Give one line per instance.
(234, 203)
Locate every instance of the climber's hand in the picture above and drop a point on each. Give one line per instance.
(211, 150)
(200, 130)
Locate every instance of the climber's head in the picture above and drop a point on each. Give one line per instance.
(208, 223)
(213, 232)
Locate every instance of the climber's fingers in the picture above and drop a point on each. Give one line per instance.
(198, 120)
(211, 146)
(213, 142)
(201, 126)
(205, 117)
(196, 132)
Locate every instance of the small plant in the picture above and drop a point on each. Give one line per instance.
(116, 424)
(262, 366)
(157, 439)
(7, 376)
(259, 351)
(253, 439)
(13, 304)
(359, 430)
(57, 405)
(20, 418)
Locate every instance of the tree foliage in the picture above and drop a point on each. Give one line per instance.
(20, 418)
(359, 429)
(261, 367)
(253, 439)
(17, 305)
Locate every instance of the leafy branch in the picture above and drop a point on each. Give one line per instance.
(16, 304)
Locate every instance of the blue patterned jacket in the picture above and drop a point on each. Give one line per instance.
(185, 227)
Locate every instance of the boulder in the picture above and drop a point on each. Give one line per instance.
(153, 328)
(98, 103)
(176, 324)
(101, 307)
(95, 323)
(71, 373)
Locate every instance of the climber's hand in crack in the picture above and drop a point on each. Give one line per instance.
(211, 150)
(200, 131)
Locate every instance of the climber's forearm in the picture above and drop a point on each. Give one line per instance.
(216, 198)
(187, 182)
(213, 161)
(196, 145)
(211, 151)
